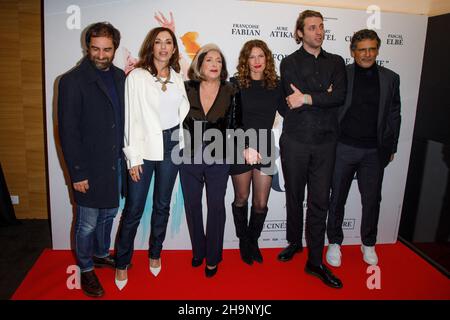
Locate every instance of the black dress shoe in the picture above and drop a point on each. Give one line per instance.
(107, 262)
(210, 272)
(196, 262)
(324, 274)
(289, 252)
(90, 284)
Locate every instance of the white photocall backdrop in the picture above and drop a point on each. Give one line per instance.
(230, 24)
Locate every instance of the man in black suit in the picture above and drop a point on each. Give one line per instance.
(369, 130)
(314, 84)
(90, 120)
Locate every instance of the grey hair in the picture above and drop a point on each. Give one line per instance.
(194, 70)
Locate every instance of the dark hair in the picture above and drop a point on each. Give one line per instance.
(102, 29)
(363, 35)
(196, 65)
(146, 54)
(243, 70)
(300, 24)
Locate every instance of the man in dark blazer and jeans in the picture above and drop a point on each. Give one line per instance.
(90, 121)
(314, 84)
(369, 131)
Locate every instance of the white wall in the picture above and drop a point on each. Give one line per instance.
(215, 21)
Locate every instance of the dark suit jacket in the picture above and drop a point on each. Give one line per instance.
(388, 113)
(87, 133)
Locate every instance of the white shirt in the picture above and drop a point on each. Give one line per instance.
(143, 131)
(169, 105)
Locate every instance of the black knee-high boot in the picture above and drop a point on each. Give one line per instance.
(255, 227)
(240, 222)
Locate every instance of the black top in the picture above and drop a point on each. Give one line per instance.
(221, 115)
(359, 125)
(219, 107)
(259, 106)
(317, 123)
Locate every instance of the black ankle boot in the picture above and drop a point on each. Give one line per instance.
(255, 227)
(240, 222)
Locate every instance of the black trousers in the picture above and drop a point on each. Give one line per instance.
(194, 177)
(308, 165)
(369, 174)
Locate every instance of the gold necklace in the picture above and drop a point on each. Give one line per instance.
(163, 82)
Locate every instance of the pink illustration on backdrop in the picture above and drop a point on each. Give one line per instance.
(189, 40)
(130, 61)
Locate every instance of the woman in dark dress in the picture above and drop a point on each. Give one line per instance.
(259, 98)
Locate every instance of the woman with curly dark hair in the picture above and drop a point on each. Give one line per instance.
(260, 98)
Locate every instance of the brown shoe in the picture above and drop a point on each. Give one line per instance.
(90, 284)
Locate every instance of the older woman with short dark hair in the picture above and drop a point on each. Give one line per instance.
(211, 110)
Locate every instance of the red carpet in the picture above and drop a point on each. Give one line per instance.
(404, 275)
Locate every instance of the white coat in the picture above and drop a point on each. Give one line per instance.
(143, 133)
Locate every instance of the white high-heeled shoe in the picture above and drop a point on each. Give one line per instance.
(155, 270)
(120, 283)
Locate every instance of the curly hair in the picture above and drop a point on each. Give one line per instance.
(146, 54)
(270, 76)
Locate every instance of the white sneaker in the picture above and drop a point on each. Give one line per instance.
(334, 255)
(369, 255)
(120, 283)
(155, 270)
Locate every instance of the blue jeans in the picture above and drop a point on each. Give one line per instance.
(92, 234)
(93, 231)
(165, 175)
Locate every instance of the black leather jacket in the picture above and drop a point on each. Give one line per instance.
(225, 113)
